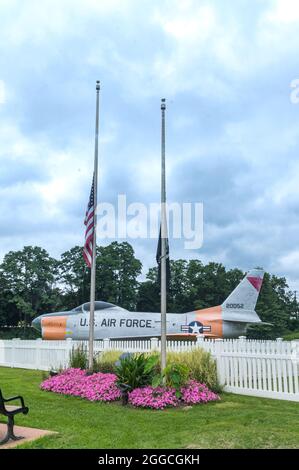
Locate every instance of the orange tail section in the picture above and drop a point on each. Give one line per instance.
(212, 321)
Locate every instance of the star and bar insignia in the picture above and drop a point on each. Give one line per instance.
(195, 327)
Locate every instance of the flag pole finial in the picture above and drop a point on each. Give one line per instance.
(98, 85)
(163, 104)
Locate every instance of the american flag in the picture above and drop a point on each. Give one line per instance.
(89, 223)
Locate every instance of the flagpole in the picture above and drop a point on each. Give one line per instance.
(163, 240)
(94, 246)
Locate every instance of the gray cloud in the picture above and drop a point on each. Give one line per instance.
(232, 132)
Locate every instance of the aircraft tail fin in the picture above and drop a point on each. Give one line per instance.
(245, 295)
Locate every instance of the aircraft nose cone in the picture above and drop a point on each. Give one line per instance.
(36, 323)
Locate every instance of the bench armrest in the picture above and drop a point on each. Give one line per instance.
(15, 398)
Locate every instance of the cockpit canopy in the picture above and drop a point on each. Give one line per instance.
(98, 305)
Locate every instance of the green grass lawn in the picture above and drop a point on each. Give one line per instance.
(234, 422)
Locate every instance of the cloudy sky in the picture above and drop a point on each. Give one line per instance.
(225, 68)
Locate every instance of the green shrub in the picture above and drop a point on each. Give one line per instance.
(135, 371)
(105, 362)
(104, 367)
(200, 364)
(78, 357)
(21, 333)
(175, 375)
(291, 336)
(109, 356)
(143, 369)
(258, 331)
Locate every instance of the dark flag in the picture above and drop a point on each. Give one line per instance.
(158, 258)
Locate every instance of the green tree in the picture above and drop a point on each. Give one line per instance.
(8, 314)
(275, 305)
(205, 282)
(29, 281)
(148, 299)
(75, 277)
(117, 271)
(179, 287)
(29, 277)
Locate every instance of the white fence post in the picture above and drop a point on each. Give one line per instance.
(2, 351)
(200, 340)
(68, 351)
(154, 344)
(220, 369)
(14, 351)
(295, 351)
(38, 355)
(106, 344)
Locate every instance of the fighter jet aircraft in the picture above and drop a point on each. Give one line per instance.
(228, 320)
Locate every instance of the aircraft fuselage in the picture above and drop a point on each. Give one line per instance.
(118, 323)
(228, 320)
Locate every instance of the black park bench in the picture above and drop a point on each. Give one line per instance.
(10, 414)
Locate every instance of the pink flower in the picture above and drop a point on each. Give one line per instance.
(75, 382)
(194, 392)
(102, 387)
(155, 398)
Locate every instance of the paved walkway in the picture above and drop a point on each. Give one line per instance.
(29, 434)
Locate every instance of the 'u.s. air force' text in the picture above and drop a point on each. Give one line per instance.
(120, 322)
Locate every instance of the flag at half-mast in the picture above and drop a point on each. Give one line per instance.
(159, 257)
(89, 223)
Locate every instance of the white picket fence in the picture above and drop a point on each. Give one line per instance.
(259, 368)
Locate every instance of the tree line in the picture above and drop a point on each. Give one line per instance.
(33, 283)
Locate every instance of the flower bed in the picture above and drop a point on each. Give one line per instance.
(102, 387)
(160, 398)
(75, 382)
